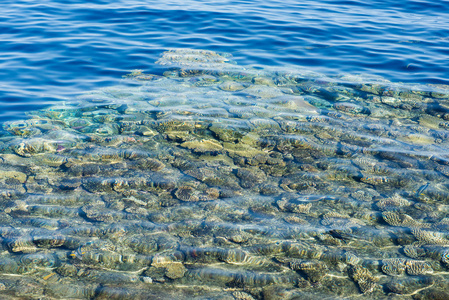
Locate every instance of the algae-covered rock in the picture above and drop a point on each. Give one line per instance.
(419, 139)
(229, 132)
(241, 150)
(19, 176)
(175, 270)
(203, 146)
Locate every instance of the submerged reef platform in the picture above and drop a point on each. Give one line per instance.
(220, 181)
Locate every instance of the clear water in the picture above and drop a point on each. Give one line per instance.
(54, 49)
(270, 169)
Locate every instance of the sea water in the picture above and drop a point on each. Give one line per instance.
(200, 173)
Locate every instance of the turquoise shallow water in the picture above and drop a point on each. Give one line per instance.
(278, 151)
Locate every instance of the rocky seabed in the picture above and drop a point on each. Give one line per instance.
(218, 181)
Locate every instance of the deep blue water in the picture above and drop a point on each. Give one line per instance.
(52, 50)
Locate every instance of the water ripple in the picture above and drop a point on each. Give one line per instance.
(61, 48)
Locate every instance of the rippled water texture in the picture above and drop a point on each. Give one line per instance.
(222, 181)
(54, 49)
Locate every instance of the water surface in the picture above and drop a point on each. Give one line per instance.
(53, 50)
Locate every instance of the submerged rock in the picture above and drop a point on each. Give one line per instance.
(217, 178)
